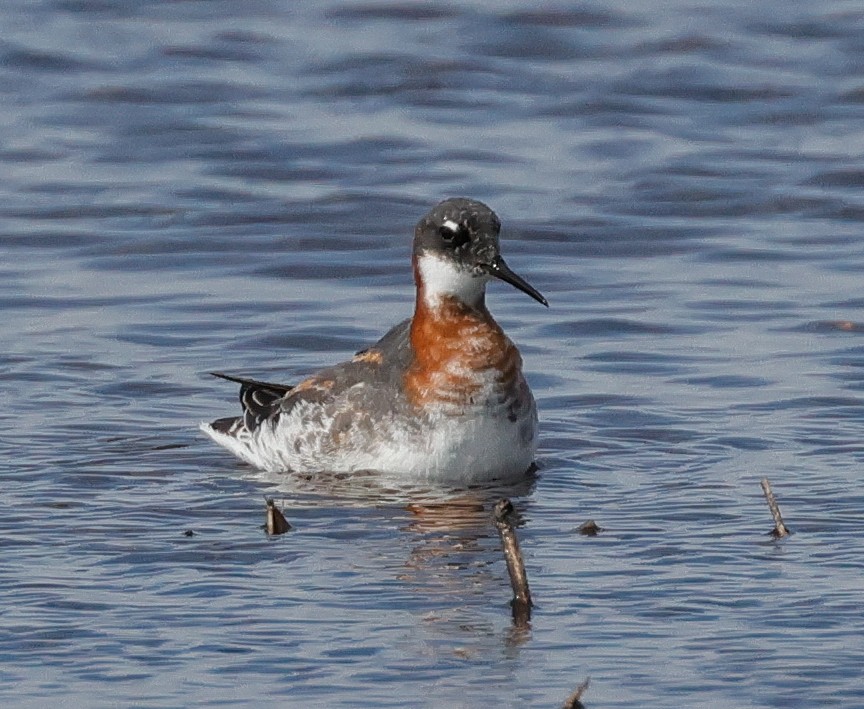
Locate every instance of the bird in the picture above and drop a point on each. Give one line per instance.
(440, 397)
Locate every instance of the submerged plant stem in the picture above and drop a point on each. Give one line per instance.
(522, 603)
(780, 530)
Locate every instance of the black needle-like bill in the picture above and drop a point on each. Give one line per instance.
(501, 270)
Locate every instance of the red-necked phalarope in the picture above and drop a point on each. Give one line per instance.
(440, 396)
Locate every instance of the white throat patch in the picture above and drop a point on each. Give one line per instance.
(442, 277)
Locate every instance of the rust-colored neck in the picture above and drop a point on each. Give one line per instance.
(453, 344)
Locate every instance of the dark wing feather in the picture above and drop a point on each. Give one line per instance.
(260, 400)
(282, 388)
(381, 365)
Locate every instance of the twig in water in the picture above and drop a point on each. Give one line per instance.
(780, 530)
(276, 522)
(515, 566)
(574, 701)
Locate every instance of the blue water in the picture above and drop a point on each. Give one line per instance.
(190, 186)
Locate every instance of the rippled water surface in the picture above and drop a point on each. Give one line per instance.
(190, 186)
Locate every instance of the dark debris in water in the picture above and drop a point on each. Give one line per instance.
(590, 528)
(503, 515)
(780, 530)
(276, 522)
(574, 701)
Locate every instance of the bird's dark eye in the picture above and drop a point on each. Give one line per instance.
(454, 237)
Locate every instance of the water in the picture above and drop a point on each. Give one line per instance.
(190, 186)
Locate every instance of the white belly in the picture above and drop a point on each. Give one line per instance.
(465, 449)
(474, 445)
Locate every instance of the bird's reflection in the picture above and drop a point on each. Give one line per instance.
(454, 555)
(373, 489)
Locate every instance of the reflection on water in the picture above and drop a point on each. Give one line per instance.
(451, 544)
(372, 488)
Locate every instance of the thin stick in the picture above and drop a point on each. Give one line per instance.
(780, 529)
(276, 522)
(574, 701)
(515, 566)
